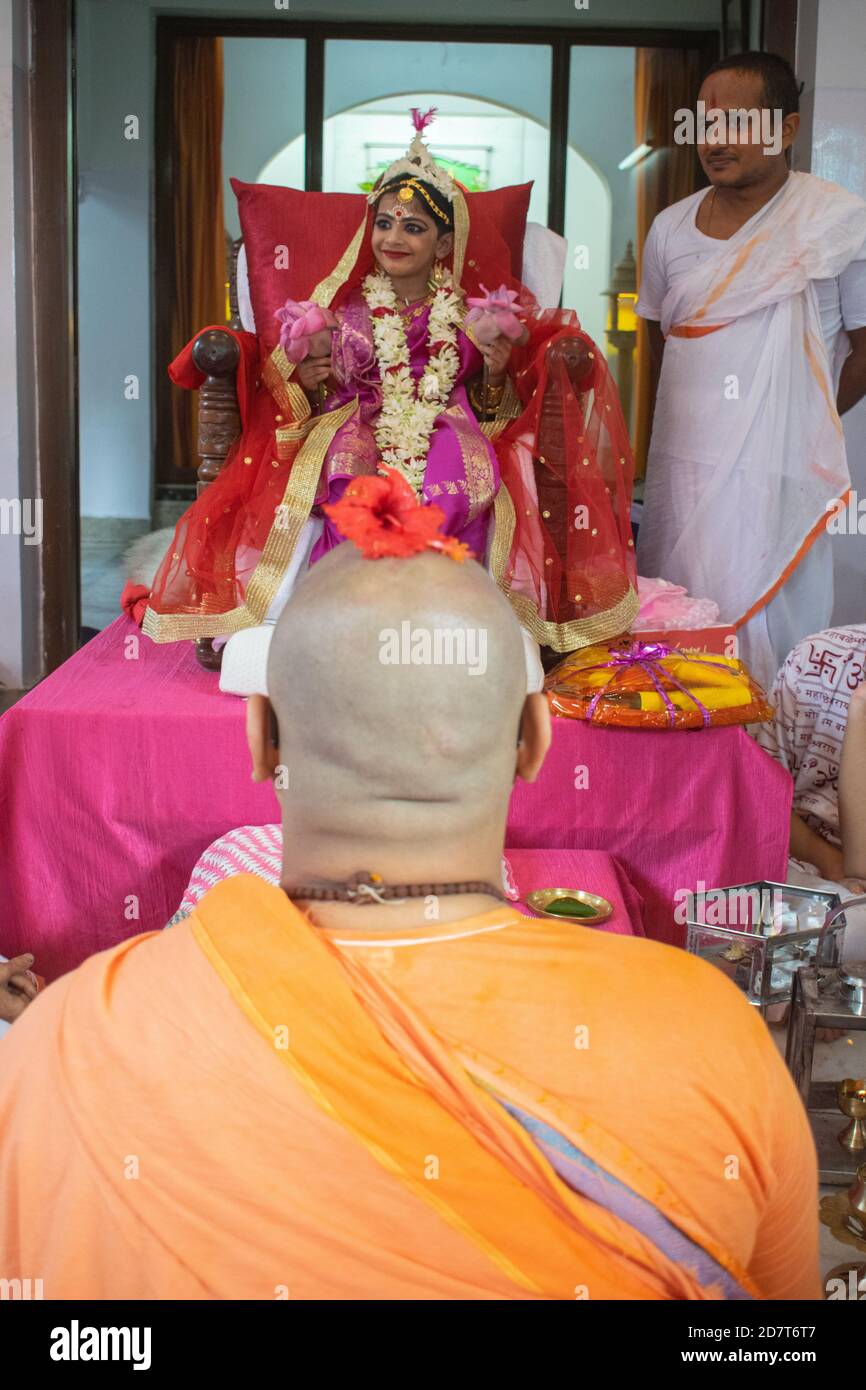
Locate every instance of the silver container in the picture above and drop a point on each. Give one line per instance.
(761, 934)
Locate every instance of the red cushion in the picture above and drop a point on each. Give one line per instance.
(317, 227)
(507, 209)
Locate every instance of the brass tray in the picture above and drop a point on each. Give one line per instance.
(539, 902)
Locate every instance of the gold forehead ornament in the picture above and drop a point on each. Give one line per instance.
(404, 195)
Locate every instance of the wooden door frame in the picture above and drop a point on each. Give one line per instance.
(779, 28)
(49, 293)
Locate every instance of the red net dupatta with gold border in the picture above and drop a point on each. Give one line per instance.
(562, 549)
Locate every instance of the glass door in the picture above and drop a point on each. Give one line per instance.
(493, 110)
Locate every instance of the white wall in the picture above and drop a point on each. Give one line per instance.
(263, 110)
(838, 114)
(599, 214)
(115, 80)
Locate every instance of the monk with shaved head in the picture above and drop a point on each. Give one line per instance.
(379, 1080)
(399, 766)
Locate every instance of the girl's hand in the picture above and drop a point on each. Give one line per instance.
(312, 372)
(496, 355)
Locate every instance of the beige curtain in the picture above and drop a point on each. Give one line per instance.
(199, 233)
(666, 79)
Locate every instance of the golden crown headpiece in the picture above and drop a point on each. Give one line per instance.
(417, 163)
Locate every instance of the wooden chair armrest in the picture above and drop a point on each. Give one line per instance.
(217, 355)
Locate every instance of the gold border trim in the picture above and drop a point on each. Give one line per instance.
(504, 522)
(276, 374)
(561, 637)
(580, 632)
(475, 457)
(327, 288)
(461, 234)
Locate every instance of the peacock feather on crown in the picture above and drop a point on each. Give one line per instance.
(417, 162)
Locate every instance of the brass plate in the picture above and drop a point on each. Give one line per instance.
(542, 897)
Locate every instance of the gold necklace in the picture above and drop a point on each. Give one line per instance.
(712, 205)
(414, 311)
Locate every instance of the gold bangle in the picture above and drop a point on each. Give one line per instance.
(475, 398)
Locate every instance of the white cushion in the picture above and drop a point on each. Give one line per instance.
(544, 255)
(245, 304)
(245, 662)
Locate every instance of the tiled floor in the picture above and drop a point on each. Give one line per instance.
(104, 542)
(102, 581)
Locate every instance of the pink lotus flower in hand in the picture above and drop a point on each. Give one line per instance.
(494, 314)
(306, 329)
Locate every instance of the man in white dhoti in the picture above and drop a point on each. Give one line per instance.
(755, 292)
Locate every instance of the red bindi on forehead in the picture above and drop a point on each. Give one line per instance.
(390, 206)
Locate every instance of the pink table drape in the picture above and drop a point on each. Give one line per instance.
(125, 764)
(676, 809)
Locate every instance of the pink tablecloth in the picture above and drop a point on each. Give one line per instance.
(676, 809)
(121, 768)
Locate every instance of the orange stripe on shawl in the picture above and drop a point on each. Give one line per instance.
(820, 376)
(806, 546)
(689, 330)
(682, 330)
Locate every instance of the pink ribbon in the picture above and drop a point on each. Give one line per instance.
(647, 655)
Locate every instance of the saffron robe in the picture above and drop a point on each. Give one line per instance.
(248, 1106)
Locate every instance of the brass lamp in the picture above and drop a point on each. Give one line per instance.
(830, 994)
(621, 331)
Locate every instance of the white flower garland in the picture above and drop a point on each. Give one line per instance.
(408, 413)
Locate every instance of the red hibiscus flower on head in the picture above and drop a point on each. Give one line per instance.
(382, 516)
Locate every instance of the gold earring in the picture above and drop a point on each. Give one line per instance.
(437, 279)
